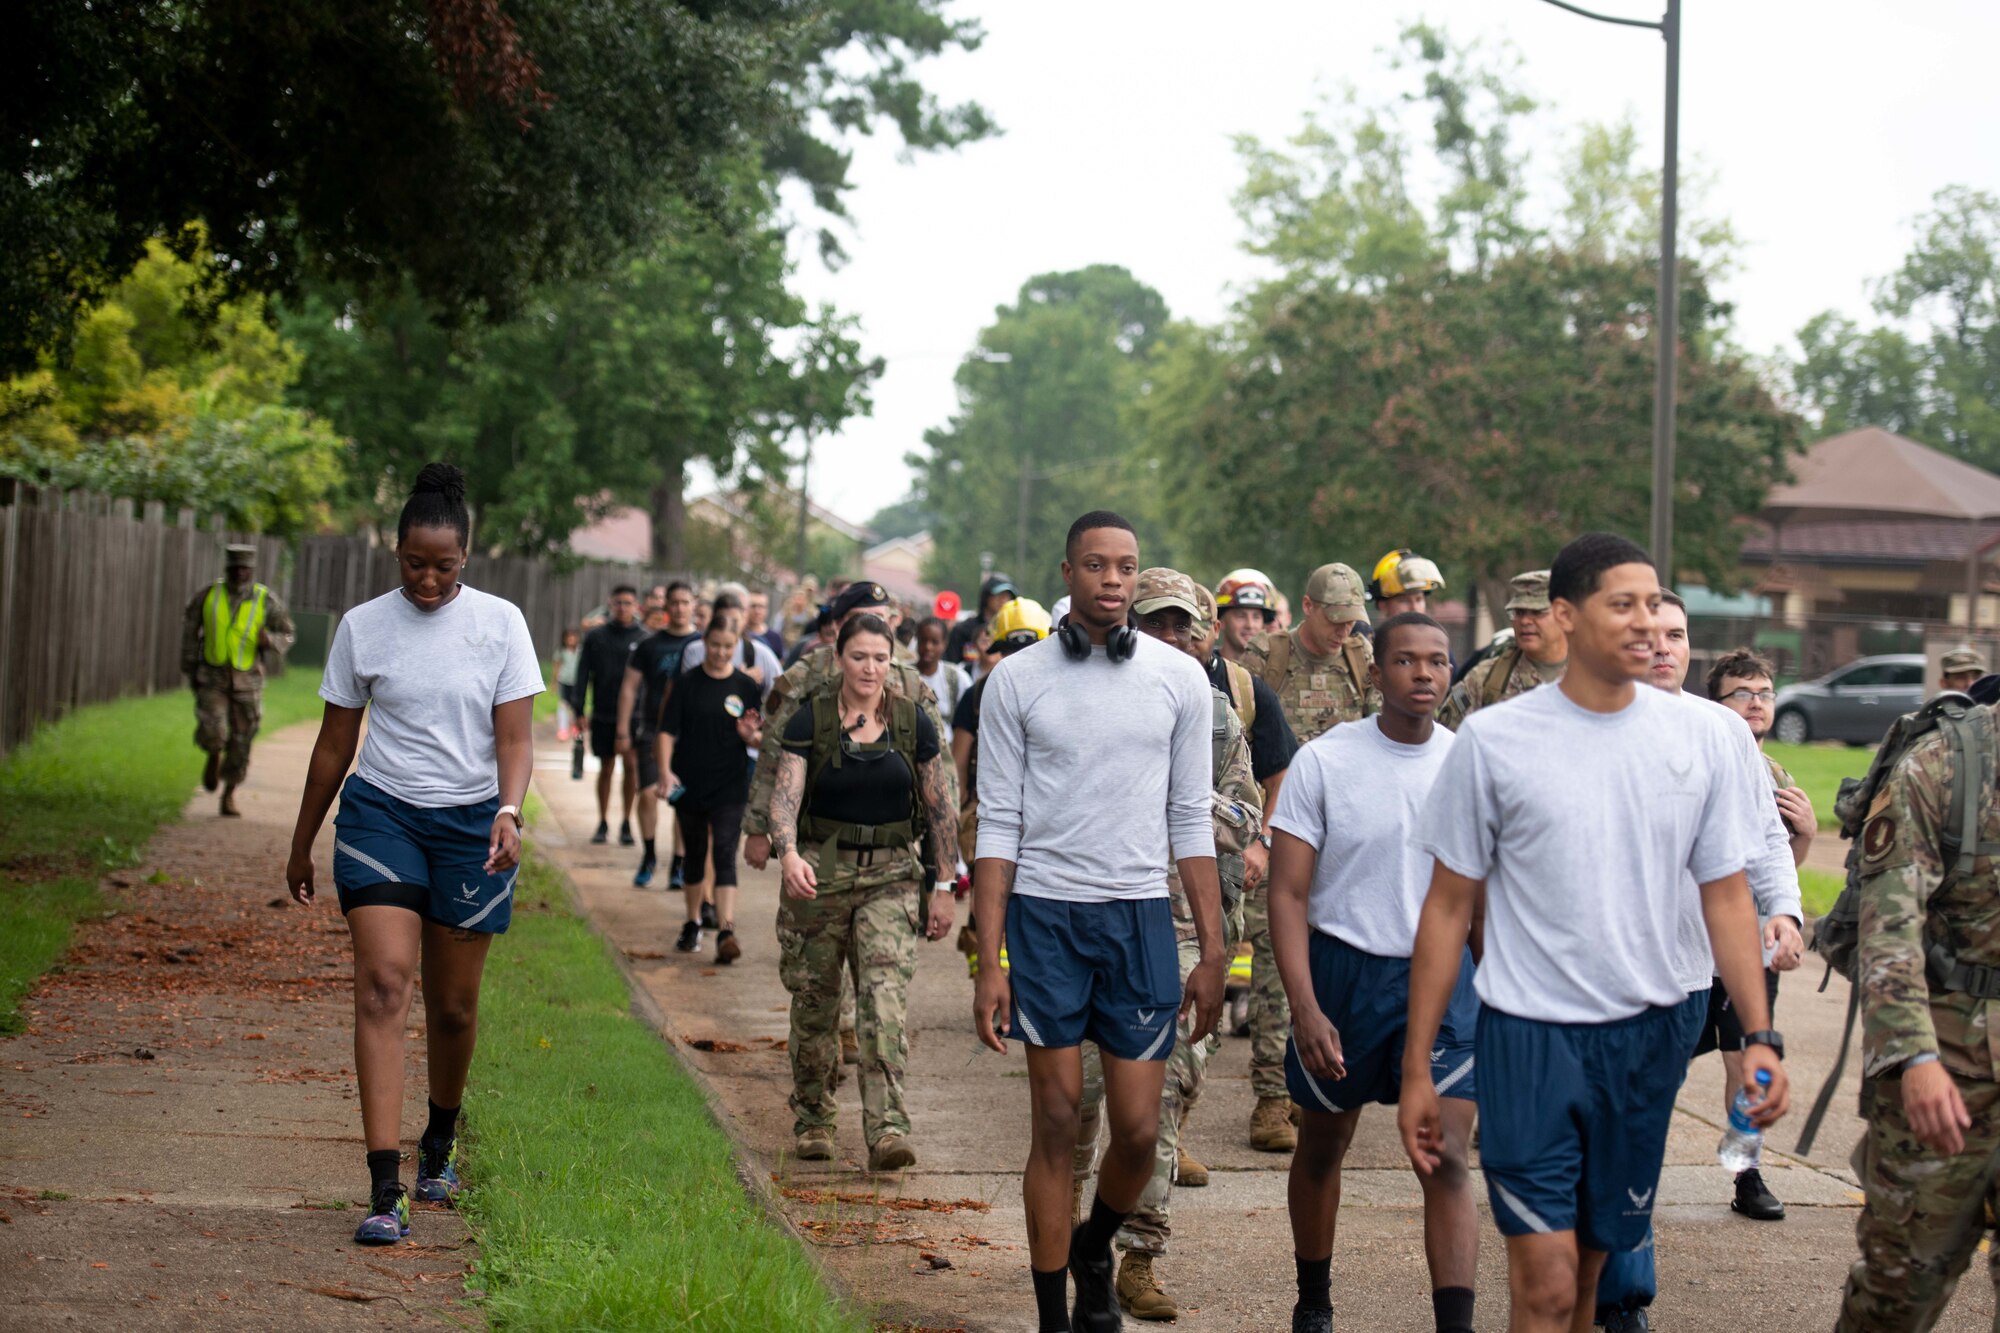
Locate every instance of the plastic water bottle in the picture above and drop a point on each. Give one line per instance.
(1742, 1145)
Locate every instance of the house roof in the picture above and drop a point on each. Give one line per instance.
(1873, 474)
(731, 503)
(1883, 541)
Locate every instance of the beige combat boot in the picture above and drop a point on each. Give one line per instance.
(1188, 1173)
(892, 1152)
(1139, 1292)
(815, 1145)
(1271, 1128)
(850, 1047)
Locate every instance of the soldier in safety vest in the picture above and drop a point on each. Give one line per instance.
(228, 625)
(1319, 670)
(1929, 978)
(1536, 656)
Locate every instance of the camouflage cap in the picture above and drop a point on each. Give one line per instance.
(1529, 591)
(1337, 590)
(1963, 658)
(237, 557)
(1204, 623)
(1161, 587)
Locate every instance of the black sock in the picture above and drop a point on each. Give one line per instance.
(647, 843)
(1315, 1282)
(384, 1168)
(1453, 1308)
(1094, 1236)
(443, 1124)
(1052, 1299)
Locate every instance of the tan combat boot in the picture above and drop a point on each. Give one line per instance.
(1188, 1173)
(1271, 1128)
(1139, 1292)
(815, 1145)
(850, 1047)
(892, 1152)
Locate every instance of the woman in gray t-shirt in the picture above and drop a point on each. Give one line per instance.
(427, 841)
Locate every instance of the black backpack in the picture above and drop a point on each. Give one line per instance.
(1968, 729)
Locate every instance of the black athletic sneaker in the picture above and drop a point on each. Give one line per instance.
(708, 919)
(1096, 1307)
(1754, 1200)
(603, 834)
(1306, 1320)
(625, 838)
(1627, 1321)
(690, 940)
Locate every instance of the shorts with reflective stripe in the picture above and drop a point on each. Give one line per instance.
(1109, 971)
(1573, 1121)
(1367, 999)
(387, 852)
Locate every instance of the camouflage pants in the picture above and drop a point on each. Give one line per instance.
(1147, 1229)
(225, 722)
(874, 929)
(1925, 1215)
(1270, 1014)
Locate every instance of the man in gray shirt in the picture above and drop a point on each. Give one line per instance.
(1093, 770)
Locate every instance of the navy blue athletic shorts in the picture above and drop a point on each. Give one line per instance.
(1367, 999)
(387, 852)
(1573, 1121)
(1109, 972)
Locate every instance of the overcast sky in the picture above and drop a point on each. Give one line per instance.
(1826, 125)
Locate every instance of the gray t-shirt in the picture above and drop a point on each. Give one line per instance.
(430, 681)
(1093, 774)
(1358, 797)
(1589, 830)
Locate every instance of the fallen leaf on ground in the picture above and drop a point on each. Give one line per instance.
(645, 953)
(718, 1046)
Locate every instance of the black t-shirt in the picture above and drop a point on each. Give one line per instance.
(600, 667)
(867, 789)
(700, 714)
(657, 659)
(965, 717)
(1272, 743)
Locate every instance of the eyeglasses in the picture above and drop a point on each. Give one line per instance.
(1743, 696)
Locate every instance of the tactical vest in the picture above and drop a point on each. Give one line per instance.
(829, 752)
(1278, 660)
(1242, 695)
(231, 640)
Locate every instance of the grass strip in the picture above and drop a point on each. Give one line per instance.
(1819, 888)
(605, 1196)
(82, 797)
(1818, 770)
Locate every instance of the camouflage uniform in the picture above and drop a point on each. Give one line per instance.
(1925, 1215)
(1238, 807)
(228, 703)
(1317, 694)
(1507, 673)
(866, 920)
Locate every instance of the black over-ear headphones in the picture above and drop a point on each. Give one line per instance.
(1120, 641)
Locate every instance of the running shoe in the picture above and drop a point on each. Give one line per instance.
(603, 834)
(644, 875)
(708, 917)
(1754, 1198)
(1628, 1321)
(675, 878)
(437, 1171)
(690, 940)
(1307, 1320)
(1096, 1307)
(625, 838)
(727, 950)
(388, 1219)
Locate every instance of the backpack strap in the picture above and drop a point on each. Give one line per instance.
(1242, 692)
(1218, 734)
(1358, 657)
(1278, 660)
(1825, 1099)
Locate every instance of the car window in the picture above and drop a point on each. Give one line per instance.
(1909, 673)
(1875, 674)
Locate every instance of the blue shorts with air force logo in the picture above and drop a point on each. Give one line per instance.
(432, 861)
(1107, 971)
(1367, 999)
(1573, 1121)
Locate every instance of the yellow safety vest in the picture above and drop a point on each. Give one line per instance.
(232, 640)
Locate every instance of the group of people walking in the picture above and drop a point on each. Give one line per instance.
(1142, 780)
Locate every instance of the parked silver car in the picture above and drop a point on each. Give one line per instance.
(1855, 704)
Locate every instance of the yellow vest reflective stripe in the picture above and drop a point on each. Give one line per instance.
(232, 640)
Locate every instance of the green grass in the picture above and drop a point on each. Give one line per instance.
(82, 797)
(1819, 768)
(605, 1196)
(1819, 888)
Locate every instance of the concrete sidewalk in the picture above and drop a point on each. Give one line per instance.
(181, 1141)
(1231, 1262)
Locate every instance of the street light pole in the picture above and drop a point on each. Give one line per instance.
(1668, 320)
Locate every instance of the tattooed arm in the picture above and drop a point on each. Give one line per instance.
(787, 795)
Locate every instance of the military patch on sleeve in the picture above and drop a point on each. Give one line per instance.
(1878, 836)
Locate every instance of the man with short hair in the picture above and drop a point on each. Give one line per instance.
(1744, 682)
(1535, 657)
(1246, 611)
(651, 667)
(225, 632)
(1319, 671)
(1581, 987)
(1960, 667)
(607, 651)
(756, 624)
(1347, 884)
(1094, 773)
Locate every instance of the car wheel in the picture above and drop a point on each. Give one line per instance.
(1792, 727)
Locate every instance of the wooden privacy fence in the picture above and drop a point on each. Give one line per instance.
(91, 597)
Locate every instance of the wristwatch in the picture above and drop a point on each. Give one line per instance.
(944, 886)
(513, 810)
(1265, 839)
(1766, 1037)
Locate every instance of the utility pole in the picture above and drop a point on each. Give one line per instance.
(805, 467)
(1667, 330)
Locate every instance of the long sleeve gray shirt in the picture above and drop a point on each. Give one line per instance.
(1094, 774)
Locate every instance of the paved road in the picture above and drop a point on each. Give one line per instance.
(1230, 1265)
